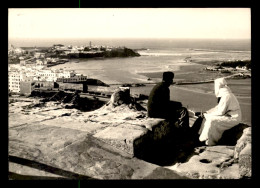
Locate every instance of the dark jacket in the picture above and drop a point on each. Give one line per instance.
(159, 104)
(158, 101)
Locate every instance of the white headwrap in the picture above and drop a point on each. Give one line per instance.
(220, 83)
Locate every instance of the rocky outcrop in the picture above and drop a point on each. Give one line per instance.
(120, 96)
(243, 154)
(121, 52)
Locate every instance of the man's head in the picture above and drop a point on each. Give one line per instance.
(168, 77)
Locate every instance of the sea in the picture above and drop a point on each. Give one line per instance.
(157, 55)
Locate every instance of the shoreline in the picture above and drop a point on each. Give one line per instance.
(192, 72)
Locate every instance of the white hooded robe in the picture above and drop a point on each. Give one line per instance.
(222, 117)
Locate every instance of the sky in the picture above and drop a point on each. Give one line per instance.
(219, 23)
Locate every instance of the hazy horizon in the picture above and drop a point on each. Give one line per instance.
(42, 42)
(142, 43)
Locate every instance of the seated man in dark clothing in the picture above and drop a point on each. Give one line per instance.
(160, 106)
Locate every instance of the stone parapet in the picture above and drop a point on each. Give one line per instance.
(109, 142)
(49, 141)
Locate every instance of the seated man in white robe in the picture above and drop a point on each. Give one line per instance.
(224, 116)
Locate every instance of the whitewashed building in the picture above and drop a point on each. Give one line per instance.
(47, 75)
(65, 74)
(14, 79)
(17, 73)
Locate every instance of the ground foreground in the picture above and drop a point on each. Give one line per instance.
(47, 141)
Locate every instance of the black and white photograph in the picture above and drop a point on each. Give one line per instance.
(129, 93)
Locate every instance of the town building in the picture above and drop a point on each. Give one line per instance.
(75, 78)
(23, 76)
(41, 61)
(14, 81)
(26, 87)
(43, 84)
(65, 74)
(18, 51)
(39, 55)
(46, 74)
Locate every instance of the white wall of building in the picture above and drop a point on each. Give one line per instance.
(14, 79)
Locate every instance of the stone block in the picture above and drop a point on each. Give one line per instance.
(161, 130)
(135, 137)
(148, 123)
(121, 138)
